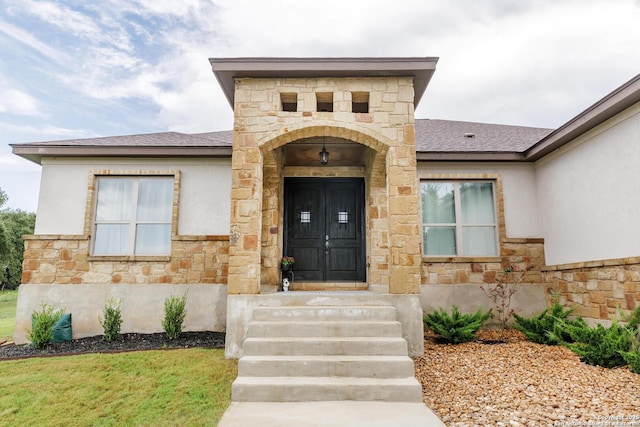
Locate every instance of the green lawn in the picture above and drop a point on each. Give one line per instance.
(8, 301)
(151, 388)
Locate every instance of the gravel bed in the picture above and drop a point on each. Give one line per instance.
(519, 383)
(126, 342)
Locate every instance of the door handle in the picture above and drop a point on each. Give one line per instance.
(326, 244)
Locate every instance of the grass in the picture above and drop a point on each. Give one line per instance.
(160, 388)
(8, 300)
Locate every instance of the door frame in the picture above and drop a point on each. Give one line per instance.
(360, 206)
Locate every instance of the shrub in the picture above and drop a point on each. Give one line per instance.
(42, 323)
(174, 314)
(502, 290)
(455, 328)
(548, 326)
(604, 346)
(632, 358)
(112, 319)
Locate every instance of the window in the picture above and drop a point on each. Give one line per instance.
(133, 216)
(360, 102)
(289, 101)
(324, 102)
(459, 218)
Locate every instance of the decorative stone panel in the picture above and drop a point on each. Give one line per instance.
(60, 259)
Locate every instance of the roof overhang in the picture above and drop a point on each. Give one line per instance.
(469, 156)
(617, 101)
(35, 152)
(227, 70)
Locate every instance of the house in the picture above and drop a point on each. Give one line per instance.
(417, 212)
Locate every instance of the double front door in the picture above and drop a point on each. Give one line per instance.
(324, 228)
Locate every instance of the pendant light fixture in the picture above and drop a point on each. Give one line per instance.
(324, 154)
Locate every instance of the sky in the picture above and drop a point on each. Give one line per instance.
(81, 69)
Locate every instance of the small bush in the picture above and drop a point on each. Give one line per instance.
(632, 358)
(548, 326)
(42, 323)
(604, 346)
(174, 314)
(112, 319)
(455, 328)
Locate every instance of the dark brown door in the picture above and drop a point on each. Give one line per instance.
(324, 228)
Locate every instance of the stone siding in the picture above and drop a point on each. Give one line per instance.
(596, 290)
(59, 259)
(480, 270)
(262, 128)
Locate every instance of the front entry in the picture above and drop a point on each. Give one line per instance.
(324, 228)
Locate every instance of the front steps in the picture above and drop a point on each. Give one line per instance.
(303, 353)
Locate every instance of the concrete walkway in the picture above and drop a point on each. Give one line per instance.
(329, 414)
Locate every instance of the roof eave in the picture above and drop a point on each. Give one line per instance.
(470, 156)
(226, 70)
(617, 101)
(35, 152)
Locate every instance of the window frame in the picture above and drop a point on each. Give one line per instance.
(459, 225)
(133, 221)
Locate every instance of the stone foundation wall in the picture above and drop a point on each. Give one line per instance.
(596, 290)
(59, 259)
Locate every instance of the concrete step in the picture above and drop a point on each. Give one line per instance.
(310, 389)
(328, 346)
(326, 366)
(333, 328)
(328, 313)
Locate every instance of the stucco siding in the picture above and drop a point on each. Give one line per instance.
(204, 194)
(589, 196)
(518, 184)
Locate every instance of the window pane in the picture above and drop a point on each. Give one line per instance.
(111, 239)
(479, 241)
(476, 201)
(155, 199)
(437, 203)
(153, 239)
(114, 199)
(439, 240)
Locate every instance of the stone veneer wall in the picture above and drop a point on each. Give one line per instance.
(480, 270)
(60, 259)
(596, 290)
(261, 128)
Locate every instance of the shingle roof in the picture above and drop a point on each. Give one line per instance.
(162, 139)
(431, 136)
(435, 139)
(461, 137)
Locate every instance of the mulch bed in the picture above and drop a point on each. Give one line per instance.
(127, 342)
(520, 383)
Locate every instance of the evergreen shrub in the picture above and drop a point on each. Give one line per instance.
(604, 346)
(112, 320)
(457, 327)
(548, 326)
(632, 358)
(174, 314)
(42, 323)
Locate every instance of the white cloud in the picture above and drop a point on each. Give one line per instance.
(28, 39)
(14, 101)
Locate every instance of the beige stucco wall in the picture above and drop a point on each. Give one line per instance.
(204, 194)
(588, 194)
(142, 306)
